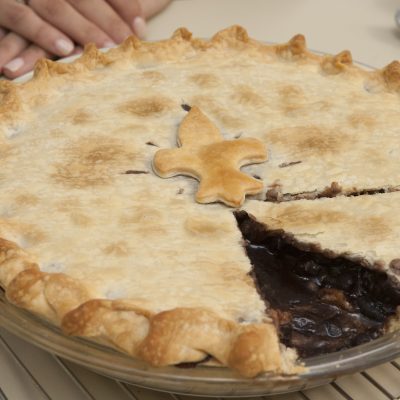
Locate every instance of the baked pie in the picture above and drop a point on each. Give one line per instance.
(105, 233)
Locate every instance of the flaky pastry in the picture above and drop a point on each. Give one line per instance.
(92, 240)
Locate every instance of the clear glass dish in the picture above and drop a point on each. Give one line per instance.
(209, 381)
(206, 381)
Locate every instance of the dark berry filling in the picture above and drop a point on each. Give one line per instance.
(320, 304)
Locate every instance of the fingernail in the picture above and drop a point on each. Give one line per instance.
(14, 65)
(64, 46)
(109, 43)
(140, 27)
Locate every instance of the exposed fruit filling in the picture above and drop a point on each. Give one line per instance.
(320, 303)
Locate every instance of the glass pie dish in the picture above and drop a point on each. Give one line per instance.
(199, 380)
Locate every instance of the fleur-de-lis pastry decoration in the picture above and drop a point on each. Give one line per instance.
(204, 154)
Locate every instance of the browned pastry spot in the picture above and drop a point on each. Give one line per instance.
(309, 140)
(292, 99)
(81, 117)
(141, 215)
(26, 199)
(247, 96)
(80, 219)
(9, 99)
(119, 249)
(375, 229)
(210, 106)
(68, 204)
(91, 161)
(144, 221)
(290, 93)
(296, 215)
(362, 120)
(152, 106)
(56, 133)
(215, 162)
(203, 226)
(32, 234)
(319, 142)
(153, 76)
(204, 80)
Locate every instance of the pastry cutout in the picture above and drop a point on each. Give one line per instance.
(215, 162)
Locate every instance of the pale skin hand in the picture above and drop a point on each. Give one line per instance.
(48, 28)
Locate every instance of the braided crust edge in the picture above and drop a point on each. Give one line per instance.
(166, 338)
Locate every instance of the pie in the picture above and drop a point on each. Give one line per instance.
(287, 248)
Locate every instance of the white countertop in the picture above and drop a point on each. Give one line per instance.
(367, 28)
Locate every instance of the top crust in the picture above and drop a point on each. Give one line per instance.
(86, 133)
(292, 107)
(363, 228)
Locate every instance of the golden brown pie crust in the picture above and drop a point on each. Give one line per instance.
(180, 334)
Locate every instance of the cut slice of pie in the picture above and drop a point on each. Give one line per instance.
(94, 241)
(328, 269)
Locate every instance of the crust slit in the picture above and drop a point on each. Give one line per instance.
(274, 194)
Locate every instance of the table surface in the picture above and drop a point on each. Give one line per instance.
(367, 28)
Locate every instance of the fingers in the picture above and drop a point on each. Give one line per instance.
(153, 7)
(27, 59)
(3, 33)
(24, 21)
(105, 17)
(131, 11)
(77, 50)
(24, 62)
(70, 21)
(10, 46)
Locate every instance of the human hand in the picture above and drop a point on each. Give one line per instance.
(54, 25)
(22, 54)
